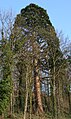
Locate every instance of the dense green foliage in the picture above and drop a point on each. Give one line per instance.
(6, 78)
(35, 74)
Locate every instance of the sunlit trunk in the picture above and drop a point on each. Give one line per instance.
(37, 87)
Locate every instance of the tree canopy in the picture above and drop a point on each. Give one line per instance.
(35, 78)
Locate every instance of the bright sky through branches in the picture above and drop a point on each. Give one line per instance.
(59, 11)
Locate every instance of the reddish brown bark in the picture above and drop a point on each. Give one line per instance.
(37, 87)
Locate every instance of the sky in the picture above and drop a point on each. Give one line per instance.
(59, 11)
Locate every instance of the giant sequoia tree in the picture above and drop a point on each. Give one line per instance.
(39, 41)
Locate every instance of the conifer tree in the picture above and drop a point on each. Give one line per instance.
(33, 24)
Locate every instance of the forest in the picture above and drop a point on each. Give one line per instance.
(35, 67)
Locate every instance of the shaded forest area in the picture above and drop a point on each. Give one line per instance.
(35, 68)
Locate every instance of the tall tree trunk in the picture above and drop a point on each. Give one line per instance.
(26, 102)
(26, 98)
(57, 97)
(37, 87)
(11, 104)
(20, 93)
(54, 106)
(30, 93)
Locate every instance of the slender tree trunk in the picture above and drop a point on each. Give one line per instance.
(26, 98)
(30, 93)
(11, 104)
(54, 93)
(30, 105)
(37, 87)
(61, 98)
(57, 97)
(20, 93)
(26, 102)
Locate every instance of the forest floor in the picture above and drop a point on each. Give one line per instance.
(35, 116)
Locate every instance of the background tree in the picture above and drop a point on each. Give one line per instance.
(5, 62)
